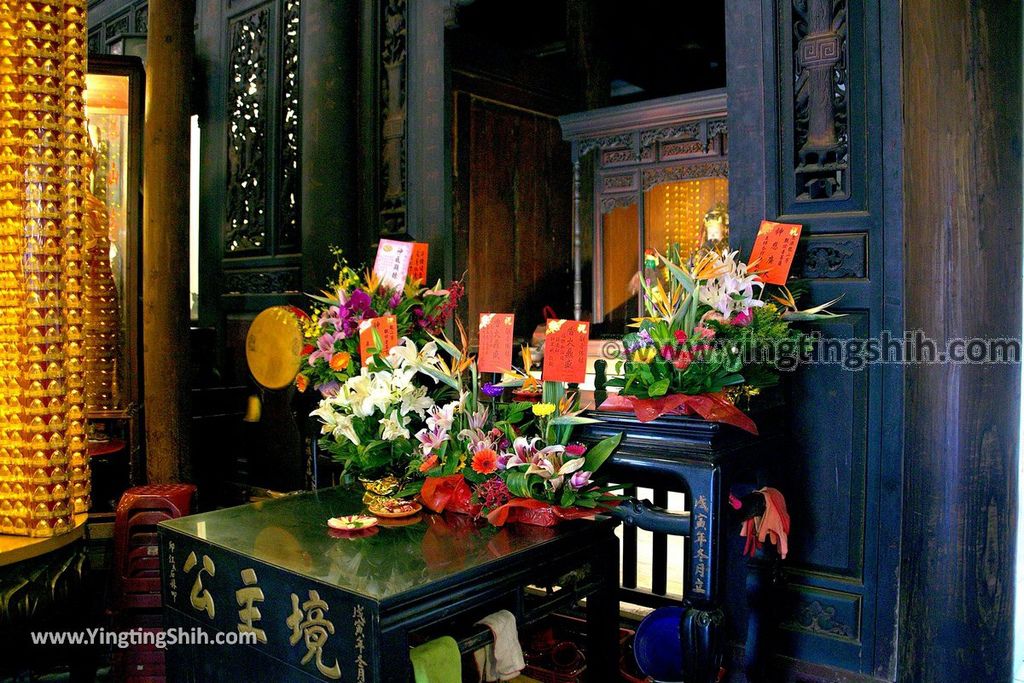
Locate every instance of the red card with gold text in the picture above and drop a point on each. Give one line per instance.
(495, 354)
(418, 264)
(386, 326)
(774, 249)
(565, 351)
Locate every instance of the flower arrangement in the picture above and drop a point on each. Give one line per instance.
(417, 411)
(368, 411)
(505, 461)
(331, 356)
(707, 328)
(365, 423)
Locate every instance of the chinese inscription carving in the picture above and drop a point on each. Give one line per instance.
(200, 597)
(310, 625)
(247, 597)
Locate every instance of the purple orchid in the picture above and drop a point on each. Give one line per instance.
(491, 390)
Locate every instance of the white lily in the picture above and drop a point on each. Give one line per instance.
(394, 427)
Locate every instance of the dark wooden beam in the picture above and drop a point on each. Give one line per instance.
(962, 218)
(165, 310)
(584, 43)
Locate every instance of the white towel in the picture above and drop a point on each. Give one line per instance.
(503, 660)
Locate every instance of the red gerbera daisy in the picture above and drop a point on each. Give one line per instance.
(485, 461)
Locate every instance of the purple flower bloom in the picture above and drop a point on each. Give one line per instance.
(328, 389)
(575, 449)
(579, 479)
(395, 299)
(359, 301)
(491, 390)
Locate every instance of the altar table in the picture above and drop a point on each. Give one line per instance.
(323, 607)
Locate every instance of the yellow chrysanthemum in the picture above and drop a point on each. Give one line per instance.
(543, 409)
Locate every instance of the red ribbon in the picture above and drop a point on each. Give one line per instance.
(712, 407)
(536, 512)
(448, 493)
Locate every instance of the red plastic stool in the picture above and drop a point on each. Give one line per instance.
(136, 551)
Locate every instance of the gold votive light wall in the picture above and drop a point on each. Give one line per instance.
(44, 471)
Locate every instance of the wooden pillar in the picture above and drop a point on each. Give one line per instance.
(330, 196)
(165, 218)
(962, 222)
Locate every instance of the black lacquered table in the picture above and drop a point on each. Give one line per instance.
(349, 609)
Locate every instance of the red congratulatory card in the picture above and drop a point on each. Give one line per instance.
(774, 249)
(418, 264)
(386, 327)
(495, 353)
(565, 351)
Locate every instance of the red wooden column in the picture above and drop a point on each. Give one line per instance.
(165, 218)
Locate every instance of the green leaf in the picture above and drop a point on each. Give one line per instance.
(553, 392)
(448, 348)
(572, 420)
(680, 275)
(659, 388)
(517, 482)
(437, 375)
(568, 496)
(323, 300)
(600, 452)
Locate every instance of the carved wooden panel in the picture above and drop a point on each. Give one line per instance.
(96, 41)
(246, 229)
(252, 281)
(618, 201)
(117, 26)
(832, 256)
(706, 169)
(620, 182)
(393, 88)
(687, 149)
(622, 141)
(141, 19)
(290, 158)
(818, 612)
(111, 19)
(824, 152)
(821, 134)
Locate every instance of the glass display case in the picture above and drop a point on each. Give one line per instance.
(111, 285)
(646, 176)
